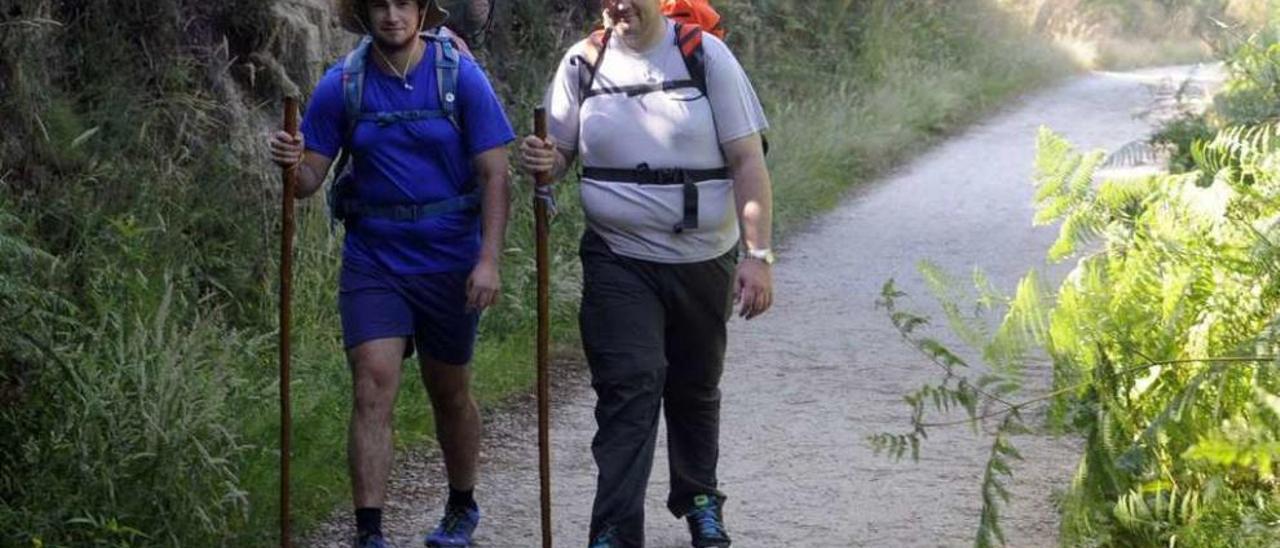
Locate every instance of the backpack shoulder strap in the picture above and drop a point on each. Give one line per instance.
(591, 59)
(352, 96)
(459, 43)
(689, 40)
(353, 81)
(447, 60)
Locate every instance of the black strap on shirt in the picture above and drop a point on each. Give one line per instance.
(640, 89)
(645, 175)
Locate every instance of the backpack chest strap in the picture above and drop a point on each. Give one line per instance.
(384, 119)
(640, 89)
(446, 67)
(645, 175)
(688, 40)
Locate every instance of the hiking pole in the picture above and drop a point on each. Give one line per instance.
(286, 288)
(542, 198)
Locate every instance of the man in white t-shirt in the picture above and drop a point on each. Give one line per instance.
(673, 181)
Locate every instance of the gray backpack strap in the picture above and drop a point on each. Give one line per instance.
(353, 81)
(353, 69)
(341, 204)
(352, 95)
(447, 62)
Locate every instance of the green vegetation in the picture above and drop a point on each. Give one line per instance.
(138, 233)
(1120, 34)
(863, 85)
(1164, 338)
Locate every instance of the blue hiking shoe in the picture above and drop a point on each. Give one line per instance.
(607, 539)
(371, 541)
(706, 523)
(455, 528)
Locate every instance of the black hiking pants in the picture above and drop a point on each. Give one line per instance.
(654, 336)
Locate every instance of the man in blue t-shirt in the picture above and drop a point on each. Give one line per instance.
(420, 260)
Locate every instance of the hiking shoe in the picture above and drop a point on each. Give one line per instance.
(455, 528)
(706, 523)
(607, 539)
(371, 541)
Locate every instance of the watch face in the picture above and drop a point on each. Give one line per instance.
(764, 255)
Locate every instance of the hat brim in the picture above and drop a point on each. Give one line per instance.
(352, 22)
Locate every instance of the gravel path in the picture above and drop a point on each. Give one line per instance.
(806, 383)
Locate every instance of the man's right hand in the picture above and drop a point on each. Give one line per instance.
(286, 150)
(538, 155)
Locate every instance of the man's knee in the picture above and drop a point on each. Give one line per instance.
(452, 401)
(448, 385)
(374, 397)
(624, 378)
(375, 370)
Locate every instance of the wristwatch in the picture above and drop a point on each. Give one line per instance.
(763, 255)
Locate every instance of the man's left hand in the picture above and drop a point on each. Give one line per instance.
(754, 288)
(483, 286)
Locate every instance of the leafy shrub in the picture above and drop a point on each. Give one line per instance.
(1165, 341)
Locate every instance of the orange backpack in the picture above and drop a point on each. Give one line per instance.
(694, 12)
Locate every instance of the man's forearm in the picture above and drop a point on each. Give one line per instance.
(308, 181)
(495, 209)
(312, 171)
(754, 194)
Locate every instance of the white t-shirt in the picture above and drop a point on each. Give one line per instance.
(665, 129)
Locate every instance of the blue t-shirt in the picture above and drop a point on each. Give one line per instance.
(416, 162)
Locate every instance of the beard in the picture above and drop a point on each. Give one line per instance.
(400, 41)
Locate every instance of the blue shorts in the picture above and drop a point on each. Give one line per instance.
(429, 308)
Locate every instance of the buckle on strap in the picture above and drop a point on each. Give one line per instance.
(689, 219)
(663, 176)
(384, 119)
(412, 212)
(676, 176)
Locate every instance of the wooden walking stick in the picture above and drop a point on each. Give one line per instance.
(542, 200)
(286, 288)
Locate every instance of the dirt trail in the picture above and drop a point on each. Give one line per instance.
(805, 384)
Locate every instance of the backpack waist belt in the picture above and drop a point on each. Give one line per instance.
(411, 212)
(668, 176)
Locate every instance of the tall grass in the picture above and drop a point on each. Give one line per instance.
(138, 234)
(1125, 34)
(919, 71)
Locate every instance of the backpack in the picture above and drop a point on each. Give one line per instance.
(340, 195)
(694, 12)
(700, 13)
(470, 19)
(692, 17)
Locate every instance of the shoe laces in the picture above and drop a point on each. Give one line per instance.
(707, 520)
(453, 518)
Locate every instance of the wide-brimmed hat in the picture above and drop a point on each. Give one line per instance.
(352, 20)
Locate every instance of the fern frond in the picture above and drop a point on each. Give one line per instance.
(1063, 177)
(1237, 155)
(1025, 328)
(999, 470)
(972, 327)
